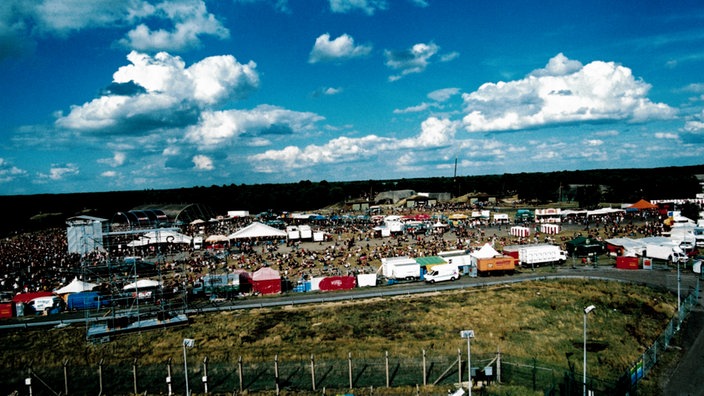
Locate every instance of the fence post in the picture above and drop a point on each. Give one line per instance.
(349, 367)
(388, 381)
(66, 376)
(134, 375)
(168, 376)
(498, 364)
(239, 373)
(28, 380)
(276, 373)
(425, 372)
(312, 370)
(100, 377)
(205, 374)
(459, 366)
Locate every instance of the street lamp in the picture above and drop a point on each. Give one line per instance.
(584, 367)
(187, 343)
(468, 334)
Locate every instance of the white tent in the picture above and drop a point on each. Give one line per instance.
(142, 284)
(76, 286)
(486, 252)
(216, 238)
(257, 230)
(165, 236)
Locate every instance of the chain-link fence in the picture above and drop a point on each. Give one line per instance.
(276, 375)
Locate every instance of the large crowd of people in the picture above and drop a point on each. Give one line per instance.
(39, 261)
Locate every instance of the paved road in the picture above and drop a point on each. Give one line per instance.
(686, 379)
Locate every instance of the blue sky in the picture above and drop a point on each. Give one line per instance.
(108, 95)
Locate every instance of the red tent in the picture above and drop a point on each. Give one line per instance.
(266, 281)
(27, 297)
(642, 205)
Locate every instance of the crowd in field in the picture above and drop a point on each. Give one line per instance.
(40, 261)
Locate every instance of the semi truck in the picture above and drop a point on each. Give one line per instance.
(532, 256)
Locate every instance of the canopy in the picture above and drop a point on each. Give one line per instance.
(76, 286)
(217, 238)
(142, 284)
(486, 252)
(265, 273)
(257, 230)
(643, 205)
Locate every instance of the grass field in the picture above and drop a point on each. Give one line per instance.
(540, 320)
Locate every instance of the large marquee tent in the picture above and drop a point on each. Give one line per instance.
(257, 230)
(76, 286)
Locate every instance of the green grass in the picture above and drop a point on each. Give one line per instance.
(541, 320)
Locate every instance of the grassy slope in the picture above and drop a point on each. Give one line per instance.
(541, 320)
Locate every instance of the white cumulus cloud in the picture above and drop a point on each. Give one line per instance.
(563, 92)
(434, 133)
(9, 172)
(217, 128)
(341, 48)
(118, 159)
(60, 171)
(441, 95)
(65, 16)
(412, 60)
(171, 25)
(666, 135)
(340, 149)
(190, 19)
(368, 7)
(203, 162)
(170, 94)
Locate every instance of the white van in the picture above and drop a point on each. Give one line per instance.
(443, 272)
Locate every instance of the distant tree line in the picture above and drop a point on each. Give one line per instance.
(28, 212)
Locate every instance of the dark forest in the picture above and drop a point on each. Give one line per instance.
(29, 212)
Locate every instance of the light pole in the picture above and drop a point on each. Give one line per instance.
(187, 343)
(468, 334)
(584, 366)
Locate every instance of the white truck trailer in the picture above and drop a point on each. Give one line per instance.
(400, 268)
(536, 255)
(667, 252)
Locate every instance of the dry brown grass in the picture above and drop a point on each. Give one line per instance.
(541, 320)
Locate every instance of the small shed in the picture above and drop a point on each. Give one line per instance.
(520, 231)
(550, 229)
